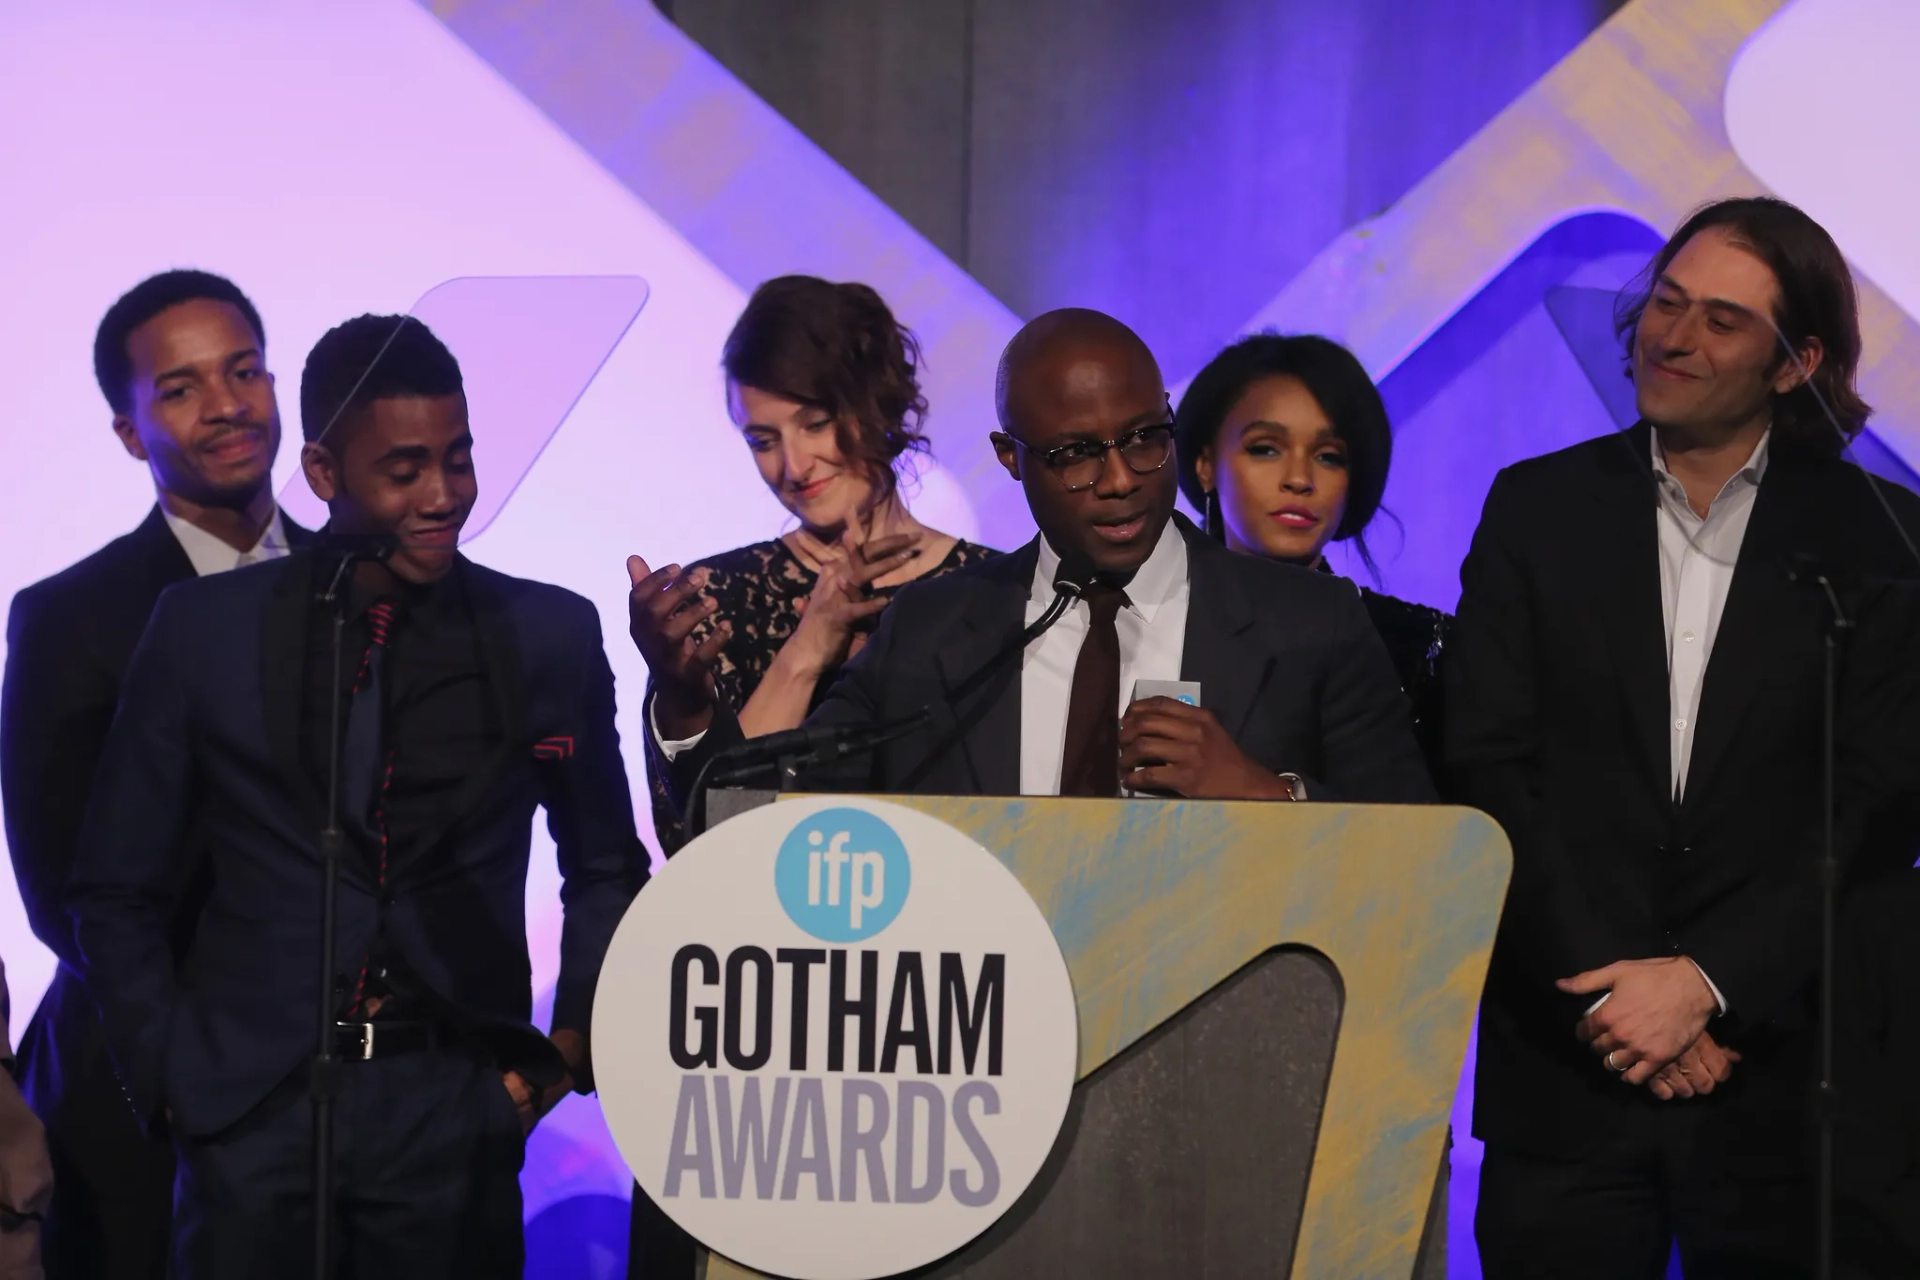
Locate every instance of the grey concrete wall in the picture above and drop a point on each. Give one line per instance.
(1173, 162)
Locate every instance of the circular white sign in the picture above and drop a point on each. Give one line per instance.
(834, 1039)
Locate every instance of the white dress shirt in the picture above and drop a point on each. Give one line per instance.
(210, 555)
(1153, 637)
(1697, 557)
(1696, 568)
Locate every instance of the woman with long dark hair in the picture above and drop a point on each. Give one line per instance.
(823, 384)
(1284, 444)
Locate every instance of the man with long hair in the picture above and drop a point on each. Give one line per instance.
(1635, 694)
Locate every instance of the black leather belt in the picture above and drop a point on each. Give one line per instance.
(365, 1041)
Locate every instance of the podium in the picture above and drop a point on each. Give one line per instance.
(1274, 1002)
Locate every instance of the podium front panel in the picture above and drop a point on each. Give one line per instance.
(1216, 909)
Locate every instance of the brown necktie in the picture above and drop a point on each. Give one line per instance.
(1090, 761)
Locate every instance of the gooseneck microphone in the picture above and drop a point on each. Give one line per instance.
(791, 750)
(346, 550)
(1070, 583)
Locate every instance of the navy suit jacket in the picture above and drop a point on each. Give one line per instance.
(204, 754)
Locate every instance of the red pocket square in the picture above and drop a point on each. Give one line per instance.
(553, 749)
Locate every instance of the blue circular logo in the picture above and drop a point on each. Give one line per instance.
(842, 875)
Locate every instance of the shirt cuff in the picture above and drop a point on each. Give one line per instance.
(1718, 999)
(674, 748)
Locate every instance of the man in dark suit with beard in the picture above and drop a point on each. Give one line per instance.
(469, 700)
(181, 360)
(1635, 692)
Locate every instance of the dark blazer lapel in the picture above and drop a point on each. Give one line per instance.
(167, 558)
(1750, 624)
(990, 742)
(1221, 650)
(283, 660)
(501, 655)
(1625, 544)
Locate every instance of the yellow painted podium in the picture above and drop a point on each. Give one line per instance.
(1274, 1002)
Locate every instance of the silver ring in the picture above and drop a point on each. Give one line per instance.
(1609, 1061)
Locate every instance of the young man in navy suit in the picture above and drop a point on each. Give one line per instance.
(469, 699)
(181, 360)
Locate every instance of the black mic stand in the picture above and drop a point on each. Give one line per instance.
(796, 749)
(1826, 1100)
(723, 769)
(324, 1084)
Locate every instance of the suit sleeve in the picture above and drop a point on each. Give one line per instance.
(1493, 752)
(590, 815)
(1368, 752)
(55, 709)
(135, 855)
(1761, 944)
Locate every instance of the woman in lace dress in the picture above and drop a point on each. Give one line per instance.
(823, 384)
(1283, 443)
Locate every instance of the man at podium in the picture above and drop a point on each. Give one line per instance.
(1281, 688)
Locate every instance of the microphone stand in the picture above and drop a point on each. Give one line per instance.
(1069, 584)
(1826, 1101)
(787, 766)
(324, 1084)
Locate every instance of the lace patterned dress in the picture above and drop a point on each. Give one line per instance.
(758, 589)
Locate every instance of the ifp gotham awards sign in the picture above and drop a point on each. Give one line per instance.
(834, 1039)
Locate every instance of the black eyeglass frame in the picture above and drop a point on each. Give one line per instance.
(1049, 457)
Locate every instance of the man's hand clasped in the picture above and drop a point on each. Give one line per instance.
(1651, 1026)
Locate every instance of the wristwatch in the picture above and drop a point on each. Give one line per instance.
(1296, 786)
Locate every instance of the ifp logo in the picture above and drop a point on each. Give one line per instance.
(842, 875)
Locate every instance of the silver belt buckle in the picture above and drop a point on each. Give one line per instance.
(366, 1041)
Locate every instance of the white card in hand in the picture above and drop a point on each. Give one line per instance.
(1187, 691)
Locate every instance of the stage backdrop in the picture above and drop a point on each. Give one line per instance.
(340, 156)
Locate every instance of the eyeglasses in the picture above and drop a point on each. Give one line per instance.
(1144, 449)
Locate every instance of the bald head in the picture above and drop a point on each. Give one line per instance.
(1068, 354)
(1080, 378)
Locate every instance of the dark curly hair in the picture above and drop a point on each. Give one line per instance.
(836, 348)
(1334, 377)
(113, 367)
(1817, 300)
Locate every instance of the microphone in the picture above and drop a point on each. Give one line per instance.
(819, 742)
(348, 550)
(804, 747)
(1070, 582)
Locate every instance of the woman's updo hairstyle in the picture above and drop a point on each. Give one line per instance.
(836, 348)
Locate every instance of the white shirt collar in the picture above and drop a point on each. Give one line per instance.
(1751, 474)
(209, 554)
(1154, 582)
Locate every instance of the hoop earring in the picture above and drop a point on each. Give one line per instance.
(1216, 524)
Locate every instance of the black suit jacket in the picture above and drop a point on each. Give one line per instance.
(1286, 659)
(69, 639)
(1557, 709)
(1877, 1144)
(205, 752)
